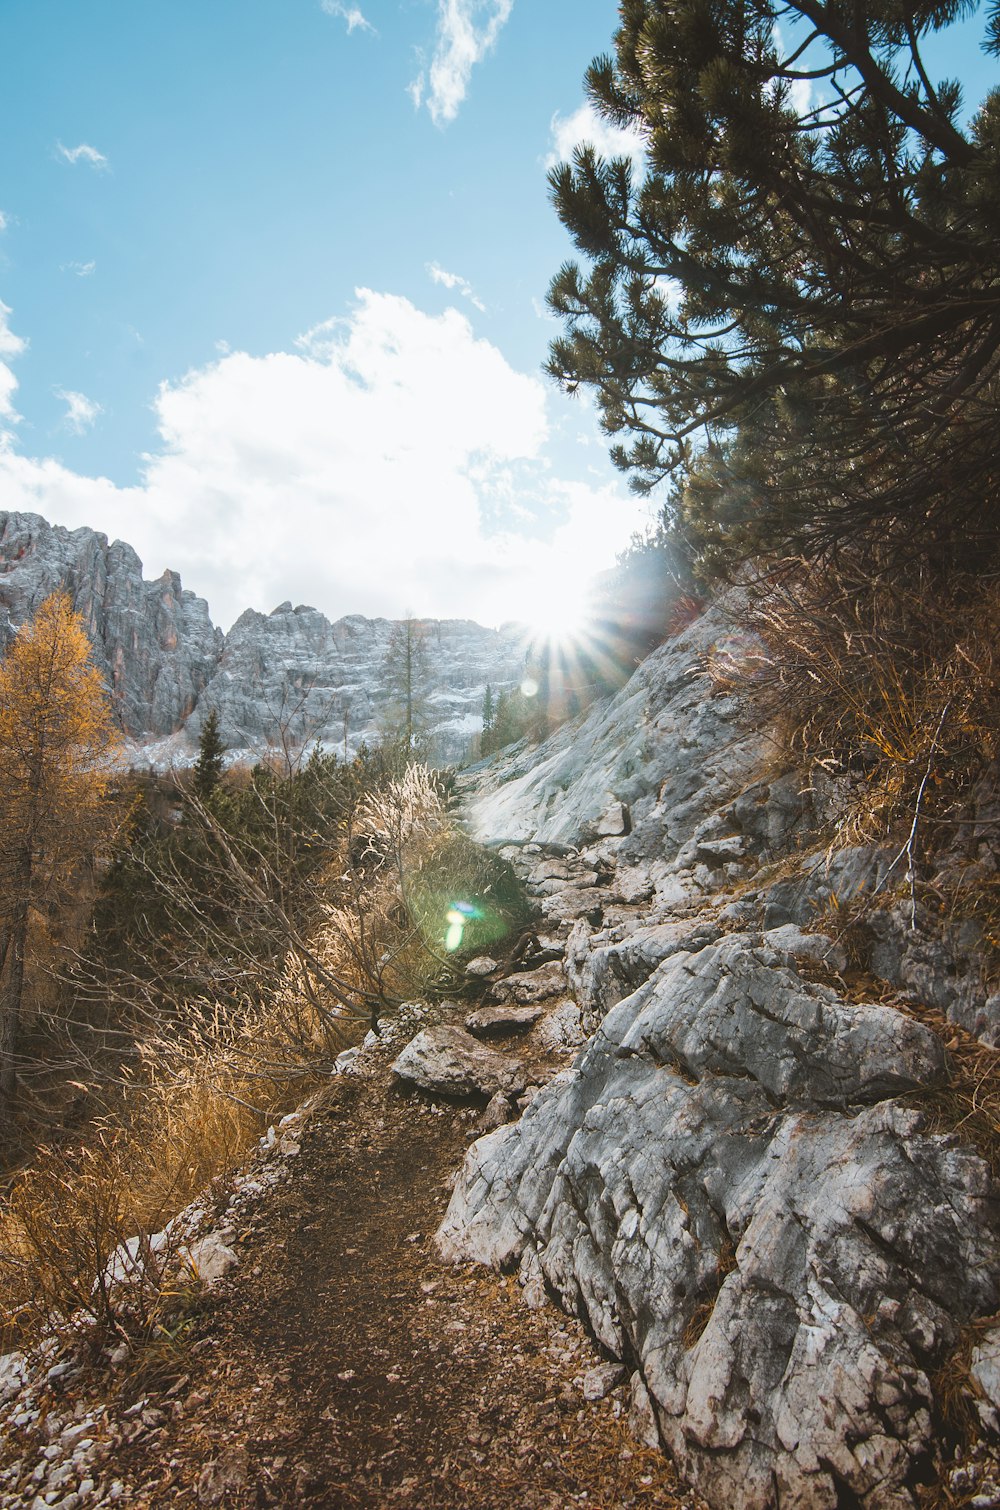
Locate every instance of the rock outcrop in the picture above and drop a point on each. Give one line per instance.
(276, 681)
(153, 641)
(734, 1184)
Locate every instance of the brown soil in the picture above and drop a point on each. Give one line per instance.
(343, 1365)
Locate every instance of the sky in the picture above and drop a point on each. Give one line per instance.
(273, 276)
(272, 280)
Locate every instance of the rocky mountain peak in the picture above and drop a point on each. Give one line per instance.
(288, 674)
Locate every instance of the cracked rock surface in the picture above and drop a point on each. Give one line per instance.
(734, 1184)
(721, 1188)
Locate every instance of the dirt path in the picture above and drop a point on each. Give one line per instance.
(342, 1365)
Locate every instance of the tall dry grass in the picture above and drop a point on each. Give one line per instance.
(894, 686)
(202, 1084)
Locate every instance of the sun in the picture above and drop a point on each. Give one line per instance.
(556, 615)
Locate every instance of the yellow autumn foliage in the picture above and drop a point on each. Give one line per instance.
(57, 741)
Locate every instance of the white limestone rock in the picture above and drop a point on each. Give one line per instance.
(482, 966)
(531, 985)
(449, 1061)
(721, 1188)
(209, 1259)
(502, 1020)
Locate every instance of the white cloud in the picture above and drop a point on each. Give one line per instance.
(81, 411)
(356, 21)
(466, 31)
(801, 97)
(586, 126)
(438, 274)
(394, 459)
(81, 269)
(82, 154)
(10, 346)
(4, 222)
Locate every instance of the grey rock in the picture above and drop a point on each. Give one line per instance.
(482, 966)
(614, 821)
(561, 1030)
(816, 947)
(985, 1366)
(496, 1113)
(532, 985)
(451, 1062)
(600, 1381)
(720, 1189)
(604, 973)
(717, 851)
(502, 1019)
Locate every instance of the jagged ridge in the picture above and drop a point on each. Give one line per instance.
(167, 665)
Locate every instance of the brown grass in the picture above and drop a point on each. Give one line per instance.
(897, 686)
(201, 1089)
(702, 1314)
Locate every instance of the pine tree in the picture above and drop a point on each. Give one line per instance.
(56, 742)
(210, 763)
(796, 312)
(406, 676)
(488, 710)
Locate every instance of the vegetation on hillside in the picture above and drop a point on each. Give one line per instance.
(57, 740)
(252, 924)
(791, 323)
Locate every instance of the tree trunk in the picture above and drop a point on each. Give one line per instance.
(13, 986)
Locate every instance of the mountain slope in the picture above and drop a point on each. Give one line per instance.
(288, 677)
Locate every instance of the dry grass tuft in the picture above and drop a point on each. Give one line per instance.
(203, 1084)
(969, 1104)
(702, 1314)
(897, 689)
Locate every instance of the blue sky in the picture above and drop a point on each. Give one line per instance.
(275, 273)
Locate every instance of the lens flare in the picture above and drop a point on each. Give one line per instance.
(459, 914)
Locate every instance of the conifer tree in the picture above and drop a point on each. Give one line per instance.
(210, 763)
(406, 674)
(57, 738)
(795, 310)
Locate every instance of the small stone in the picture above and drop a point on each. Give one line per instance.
(502, 1019)
(481, 966)
(209, 1259)
(600, 1381)
(496, 1114)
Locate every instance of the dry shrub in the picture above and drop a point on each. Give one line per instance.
(897, 687)
(185, 1119)
(207, 1081)
(883, 679)
(969, 1102)
(416, 899)
(65, 1222)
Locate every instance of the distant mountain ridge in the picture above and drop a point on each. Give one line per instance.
(290, 674)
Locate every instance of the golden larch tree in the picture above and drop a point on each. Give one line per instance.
(57, 740)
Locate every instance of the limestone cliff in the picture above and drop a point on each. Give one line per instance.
(284, 678)
(737, 1186)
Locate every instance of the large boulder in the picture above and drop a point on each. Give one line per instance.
(450, 1062)
(724, 1189)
